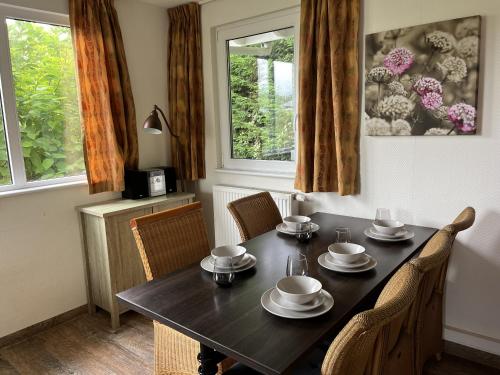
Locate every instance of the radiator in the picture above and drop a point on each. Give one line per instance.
(226, 231)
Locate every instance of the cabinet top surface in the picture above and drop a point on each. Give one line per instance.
(120, 205)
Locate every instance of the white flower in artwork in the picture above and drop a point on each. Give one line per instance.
(395, 107)
(379, 74)
(397, 88)
(377, 126)
(401, 127)
(468, 48)
(441, 40)
(439, 131)
(454, 69)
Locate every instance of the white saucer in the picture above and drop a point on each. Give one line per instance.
(241, 263)
(409, 234)
(284, 304)
(274, 309)
(209, 266)
(399, 234)
(282, 228)
(330, 259)
(332, 267)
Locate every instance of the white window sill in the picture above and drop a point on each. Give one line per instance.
(34, 189)
(288, 176)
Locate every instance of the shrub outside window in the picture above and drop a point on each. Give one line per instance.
(40, 133)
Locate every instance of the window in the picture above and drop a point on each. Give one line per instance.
(40, 133)
(257, 82)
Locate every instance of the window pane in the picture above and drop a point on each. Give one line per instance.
(262, 92)
(46, 98)
(5, 177)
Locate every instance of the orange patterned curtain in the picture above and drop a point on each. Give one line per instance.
(328, 122)
(106, 102)
(185, 90)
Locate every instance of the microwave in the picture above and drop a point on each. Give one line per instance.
(144, 183)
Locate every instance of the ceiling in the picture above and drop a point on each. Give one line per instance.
(171, 3)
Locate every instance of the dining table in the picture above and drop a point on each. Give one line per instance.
(231, 322)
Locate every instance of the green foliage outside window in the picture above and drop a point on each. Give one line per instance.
(46, 99)
(262, 122)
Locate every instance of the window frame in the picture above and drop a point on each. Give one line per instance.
(10, 117)
(257, 25)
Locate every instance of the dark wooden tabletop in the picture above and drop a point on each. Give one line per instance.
(232, 320)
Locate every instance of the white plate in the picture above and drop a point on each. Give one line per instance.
(277, 298)
(274, 309)
(242, 263)
(282, 228)
(330, 266)
(330, 259)
(400, 234)
(409, 234)
(208, 266)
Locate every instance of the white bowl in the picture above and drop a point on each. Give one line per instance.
(346, 252)
(299, 289)
(294, 223)
(389, 227)
(235, 252)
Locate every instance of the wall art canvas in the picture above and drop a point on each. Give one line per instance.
(423, 80)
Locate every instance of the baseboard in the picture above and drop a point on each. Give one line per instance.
(39, 327)
(472, 346)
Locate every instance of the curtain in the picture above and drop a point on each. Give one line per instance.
(185, 90)
(328, 105)
(106, 103)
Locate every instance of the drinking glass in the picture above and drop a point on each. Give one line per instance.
(343, 235)
(223, 271)
(296, 265)
(383, 214)
(305, 233)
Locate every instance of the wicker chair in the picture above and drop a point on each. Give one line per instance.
(255, 215)
(433, 264)
(462, 222)
(168, 241)
(379, 341)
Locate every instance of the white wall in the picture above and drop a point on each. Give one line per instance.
(41, 269)
(426, 181)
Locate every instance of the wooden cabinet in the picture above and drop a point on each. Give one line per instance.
(111, 256)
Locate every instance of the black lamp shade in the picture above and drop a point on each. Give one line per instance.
(152, 125)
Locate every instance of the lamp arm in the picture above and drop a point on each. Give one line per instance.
(166, 122)
(179, 156)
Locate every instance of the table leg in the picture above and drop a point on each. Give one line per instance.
(208, 361)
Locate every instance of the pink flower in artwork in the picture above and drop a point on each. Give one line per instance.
(432, 100)
(463, 117)
(399, 60)
(426, 85)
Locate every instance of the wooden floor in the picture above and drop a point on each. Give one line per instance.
(86, 345)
